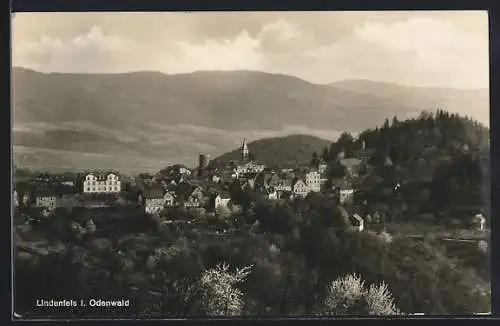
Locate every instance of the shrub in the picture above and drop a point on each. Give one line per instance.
(348, 295)
(220, 295)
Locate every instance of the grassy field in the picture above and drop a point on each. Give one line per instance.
(438, 231)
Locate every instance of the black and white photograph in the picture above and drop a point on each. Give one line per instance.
(173, 165)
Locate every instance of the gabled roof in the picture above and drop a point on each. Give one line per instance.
(224, 195)
(45, 193)
(357, 218)
(154, 193)
(169, 194)
(297, 180)
(284, 182)
(101, 174)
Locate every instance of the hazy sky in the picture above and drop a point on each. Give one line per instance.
(443, 49)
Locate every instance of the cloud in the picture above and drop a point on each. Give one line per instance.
(241, 52)
(91, 52)
(421, 50)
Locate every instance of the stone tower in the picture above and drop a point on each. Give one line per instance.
(203, 161)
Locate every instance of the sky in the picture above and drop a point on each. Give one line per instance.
(429, 49)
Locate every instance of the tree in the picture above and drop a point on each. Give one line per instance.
(346, 142)
(220, 296)
(325, 154)
(386, 125)
(314, 160)
(336, 170)
(395, 122)
(348, 295)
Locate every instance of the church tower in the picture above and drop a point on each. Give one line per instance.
(244, 151)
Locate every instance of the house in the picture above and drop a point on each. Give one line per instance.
(282, 184)
(357, 222)
(352, 165)
(479, 222)
(15, 198)
(97, 182)
(346, 194)
(192, 202)
(195, 197)
(300, 188)
(250, 167)
(312, 179)
(45, 199)
(26, 198)
(322, 166)
(154, 200)
(169, 199)
(364, 153)
(222, 199)
(271, 194)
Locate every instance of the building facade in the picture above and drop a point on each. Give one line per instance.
(101, 183)
(46, 199)
(300, 188)
(313, 181)
(154, 201)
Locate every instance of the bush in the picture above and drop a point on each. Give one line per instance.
(220, 295)
(348, 295)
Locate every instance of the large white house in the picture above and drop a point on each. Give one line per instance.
(101, 183)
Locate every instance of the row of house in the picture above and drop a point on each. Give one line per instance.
(248, 173)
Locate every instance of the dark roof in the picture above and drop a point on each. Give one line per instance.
(45, 193)
(101, 175)
(297, 179)
(283, 182)
(153, 192)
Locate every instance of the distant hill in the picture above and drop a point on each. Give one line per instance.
(455, 100)
(282, 151)
(153, 116)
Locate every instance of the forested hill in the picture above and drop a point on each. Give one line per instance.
(288, 151)
(442, 161)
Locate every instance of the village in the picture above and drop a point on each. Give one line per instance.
(199, 190)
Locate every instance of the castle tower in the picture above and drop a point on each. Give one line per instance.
(203, 161)
(244, 151)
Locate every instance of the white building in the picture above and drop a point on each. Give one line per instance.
(169, 199)
(154, 202)
(45, 199)
(322, 167)
(346, 194)
(249, 167)
(101, 183)
(222, 200)
(313, 181)
(358, 222)
(15, 198)
(480, 222)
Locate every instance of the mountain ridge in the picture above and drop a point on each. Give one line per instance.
(151, 114)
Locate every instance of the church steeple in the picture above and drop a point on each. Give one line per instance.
(244, 150)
